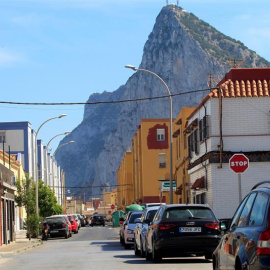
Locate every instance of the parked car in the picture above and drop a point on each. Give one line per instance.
(77, 220)
(74, 224)
(58, 226)
(246, 243)
(180, 230)
(82, 220)
(68, 222)
(123, 223)
(97, 220)
(141, 229)
(129, 228)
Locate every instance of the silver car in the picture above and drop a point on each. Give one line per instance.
(141, 229)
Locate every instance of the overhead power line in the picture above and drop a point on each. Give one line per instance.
(100, 102)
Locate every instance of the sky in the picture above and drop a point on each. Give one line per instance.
(65, 50)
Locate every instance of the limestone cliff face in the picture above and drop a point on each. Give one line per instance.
(182, 50)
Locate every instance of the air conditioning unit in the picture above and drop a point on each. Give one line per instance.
(13, 180)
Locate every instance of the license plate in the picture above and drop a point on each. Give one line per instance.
(190, 229)
(54, 231)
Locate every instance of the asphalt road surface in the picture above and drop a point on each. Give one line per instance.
(92, 248)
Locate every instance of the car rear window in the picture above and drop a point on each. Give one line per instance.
(54, 220)
(151, 214)
(174, 214)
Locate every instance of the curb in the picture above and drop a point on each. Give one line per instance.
(21, 250)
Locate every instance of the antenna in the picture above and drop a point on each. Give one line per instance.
(235, 63)
(211, 80)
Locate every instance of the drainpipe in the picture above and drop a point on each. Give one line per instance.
(220, 128)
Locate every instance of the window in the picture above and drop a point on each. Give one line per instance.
(161, 134)
(193, 142)
(258, 210)
(204, 128)
(162, 160)
(243, 220)
(2, 137)
(237, 213)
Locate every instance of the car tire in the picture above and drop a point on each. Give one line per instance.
(70, 235)
(148, 255)
(156, 256)
(121, 241)
(66, 235)
(136, 250)
(214, 263)
(126, 246)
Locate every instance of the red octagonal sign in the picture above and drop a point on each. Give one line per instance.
(239, 163)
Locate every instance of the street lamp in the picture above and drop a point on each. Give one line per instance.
(170, 100)
(62, 134)
(61, 145)
(36, 152)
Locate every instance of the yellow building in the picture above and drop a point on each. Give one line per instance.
(124, 182)
(181, 155)
(12, 217)
(110, 197)
(150, 162)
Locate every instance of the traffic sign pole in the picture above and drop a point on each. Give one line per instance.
(239, 187)
(239, 163)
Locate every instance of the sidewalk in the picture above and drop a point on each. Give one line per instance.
(19, 247)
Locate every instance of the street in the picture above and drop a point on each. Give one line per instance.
(92, 248)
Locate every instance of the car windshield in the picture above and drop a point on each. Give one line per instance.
(174, 214)
(133, 217)
(151, 214)
(54, 220)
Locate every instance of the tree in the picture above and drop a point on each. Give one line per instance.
(47, 201)
(26, 196)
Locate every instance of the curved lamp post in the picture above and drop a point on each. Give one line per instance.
(59, 147)
(36, 152)
(170, 100)
(62, 134)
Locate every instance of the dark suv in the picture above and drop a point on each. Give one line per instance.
(58, 226)
(246, 243)
(180, 230)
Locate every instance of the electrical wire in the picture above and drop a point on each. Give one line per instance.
(100, 102)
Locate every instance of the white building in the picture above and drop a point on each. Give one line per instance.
(19, 138)
(237, 121)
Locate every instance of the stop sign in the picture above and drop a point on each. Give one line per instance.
(112, 206)
(239, 163)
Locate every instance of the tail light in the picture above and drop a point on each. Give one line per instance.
(165, 226)
(213, 225)
(121, 222)
(263, 245)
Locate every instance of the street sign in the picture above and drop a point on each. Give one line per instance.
(165, 186)
(239, 163)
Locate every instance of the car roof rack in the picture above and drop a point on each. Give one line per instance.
(261, 183)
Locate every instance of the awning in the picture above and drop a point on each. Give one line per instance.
(199, 183)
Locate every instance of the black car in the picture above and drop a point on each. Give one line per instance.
(246, 243)
(182, 230)
(58, 226)
(97, 220)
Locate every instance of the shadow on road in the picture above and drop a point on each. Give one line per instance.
(137, 260)
(108, 246)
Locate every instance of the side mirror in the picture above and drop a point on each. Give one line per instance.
(224, 225)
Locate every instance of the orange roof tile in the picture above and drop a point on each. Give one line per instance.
(237, 85)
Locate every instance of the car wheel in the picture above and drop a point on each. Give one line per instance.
(136, 250)
(121, 241)
(208, 256)
(70, 235)
(142, 249)
(66, 235)
(214, 263)
(156, 256)
(148, 255)
(126, 246)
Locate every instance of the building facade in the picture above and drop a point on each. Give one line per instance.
(234, 118)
